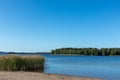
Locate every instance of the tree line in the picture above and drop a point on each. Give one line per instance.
(88, 51)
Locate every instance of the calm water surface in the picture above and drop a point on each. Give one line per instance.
(106, 67)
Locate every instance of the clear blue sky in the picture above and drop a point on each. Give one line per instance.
(42, 25)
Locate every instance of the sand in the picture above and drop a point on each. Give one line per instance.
(37, 76)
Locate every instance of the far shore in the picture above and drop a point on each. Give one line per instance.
(19, 75)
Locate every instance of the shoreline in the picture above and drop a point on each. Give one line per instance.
(22, 75)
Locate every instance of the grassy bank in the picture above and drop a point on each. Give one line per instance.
(21, 63)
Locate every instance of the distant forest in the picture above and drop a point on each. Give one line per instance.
(88, 51)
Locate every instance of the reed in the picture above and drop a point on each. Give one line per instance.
(21, 63)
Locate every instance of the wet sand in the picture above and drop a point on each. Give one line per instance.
(37, 76)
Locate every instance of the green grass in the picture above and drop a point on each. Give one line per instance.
(21, 63)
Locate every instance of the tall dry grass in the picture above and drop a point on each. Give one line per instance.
(21, 63)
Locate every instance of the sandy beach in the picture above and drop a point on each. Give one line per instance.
(37, 76)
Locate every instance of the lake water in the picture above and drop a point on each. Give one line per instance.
(105, 67)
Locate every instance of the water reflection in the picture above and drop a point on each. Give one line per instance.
(107, 67)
